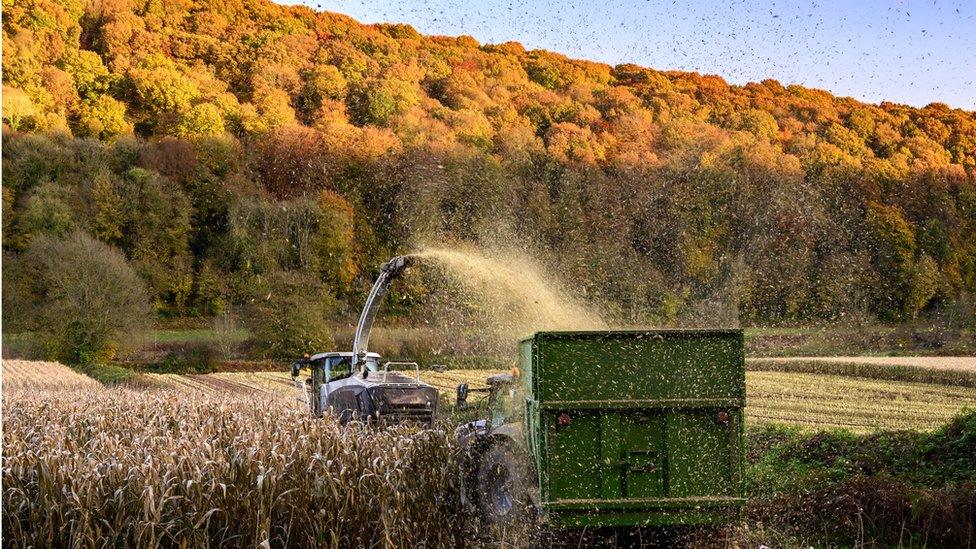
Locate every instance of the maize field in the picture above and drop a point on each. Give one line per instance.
(87, 466)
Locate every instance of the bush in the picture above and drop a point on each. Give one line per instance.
(79, 297)
(201, 358)
(108, 374)
(198, 358)
(172, 363)
(291, 317)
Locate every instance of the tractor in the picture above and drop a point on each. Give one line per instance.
(611, 429)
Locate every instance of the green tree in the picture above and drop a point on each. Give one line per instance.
(760, 123)
(78, 297)
(107, 215)
(90, 76)
(161, 87)
(923, 286)
(933, 239)
(157, 216)
(156, 236)
(48, 211)
(334, 241)
(271, 110)
(847, 140)
(893, 251)
(324, 82)
(9, 196)
(382, 99)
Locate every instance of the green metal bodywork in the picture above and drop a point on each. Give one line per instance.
(646, 443)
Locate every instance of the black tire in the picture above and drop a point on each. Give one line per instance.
(503, 495)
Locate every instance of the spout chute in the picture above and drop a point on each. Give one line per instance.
(389, 271)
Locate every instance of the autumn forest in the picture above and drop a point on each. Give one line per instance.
(231, 151)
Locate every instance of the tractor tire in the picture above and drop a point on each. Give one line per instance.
(503, 480)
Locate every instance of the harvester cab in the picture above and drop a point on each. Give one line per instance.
(358, 384)
(503, 392)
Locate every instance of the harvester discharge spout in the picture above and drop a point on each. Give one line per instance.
(389, 271)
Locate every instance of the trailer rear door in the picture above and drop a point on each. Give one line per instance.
(636, 427)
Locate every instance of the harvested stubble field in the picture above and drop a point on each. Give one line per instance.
(27, 374)
(965, 364)
(957, 370)
(819, 401)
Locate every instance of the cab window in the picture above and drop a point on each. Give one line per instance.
(338, 367)
(503, 404)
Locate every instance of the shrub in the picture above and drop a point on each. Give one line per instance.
(108, 374)
(171, 363)
(198, 358)
(79, 296)
(201, 358)
(47, 211)
(891, 487)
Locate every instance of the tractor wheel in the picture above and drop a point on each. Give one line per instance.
(502, 487)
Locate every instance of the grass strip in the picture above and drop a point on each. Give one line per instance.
(917, 374)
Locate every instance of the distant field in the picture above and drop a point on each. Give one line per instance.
(953, 363)
(841, 340)
(950, 371)
(858, 404)
(235, 382)
(802, 399)
(194, 335)
(28, 375)
(808, 400)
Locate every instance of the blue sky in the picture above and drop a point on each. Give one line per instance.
(913, 52)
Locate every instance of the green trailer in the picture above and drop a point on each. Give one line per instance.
(613, 428)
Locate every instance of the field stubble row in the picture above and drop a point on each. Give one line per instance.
(809, 400)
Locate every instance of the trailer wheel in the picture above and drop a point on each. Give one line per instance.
(502, 494)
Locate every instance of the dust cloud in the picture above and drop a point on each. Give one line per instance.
(509, 291)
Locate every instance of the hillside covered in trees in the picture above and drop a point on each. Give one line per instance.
(234, 151)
